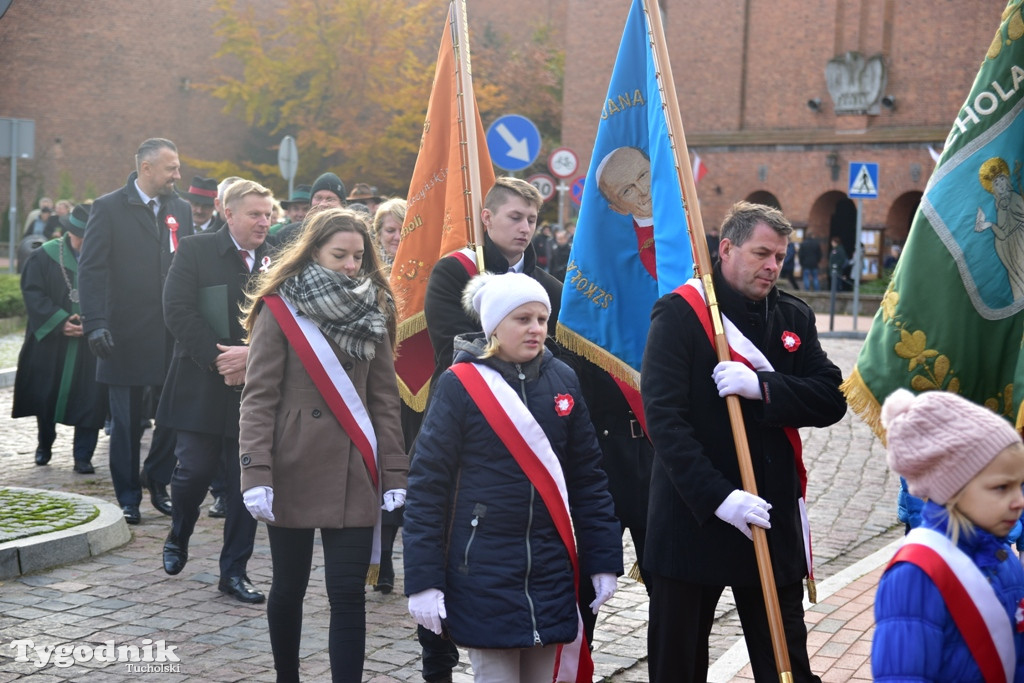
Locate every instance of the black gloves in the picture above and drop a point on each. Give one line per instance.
(101, 343)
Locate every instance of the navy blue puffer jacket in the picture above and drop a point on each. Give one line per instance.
(475, 527)
(915, 637)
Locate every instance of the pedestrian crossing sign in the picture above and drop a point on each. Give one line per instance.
(863, 180)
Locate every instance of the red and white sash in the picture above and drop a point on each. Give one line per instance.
(744, 351)
(969, 597)
(467, 257)
(523, 436)
(333, 383)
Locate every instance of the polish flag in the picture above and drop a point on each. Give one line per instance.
(699, 169)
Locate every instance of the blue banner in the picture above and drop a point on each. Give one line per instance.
(631, 244)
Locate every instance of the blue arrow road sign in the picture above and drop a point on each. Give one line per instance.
(576, 190)
(863, 180)
(513, 141)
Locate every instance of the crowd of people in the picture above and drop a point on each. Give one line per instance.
(260, 335)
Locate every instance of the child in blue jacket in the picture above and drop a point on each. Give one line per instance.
(950, 606)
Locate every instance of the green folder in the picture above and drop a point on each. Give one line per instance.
(213, 305)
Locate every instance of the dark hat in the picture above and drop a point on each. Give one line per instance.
(300, 195)
(202, 190)
(362, 192)
(329, 181)
(75, 221)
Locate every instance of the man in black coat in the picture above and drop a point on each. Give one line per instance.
(131, 238)
(698, 534)
(202, 299)
(56, 379)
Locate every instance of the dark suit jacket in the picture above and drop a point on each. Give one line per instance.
(195, 397)
(125, 258)
(695, 464)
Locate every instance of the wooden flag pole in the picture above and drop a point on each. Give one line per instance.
(702, 261)
(467, 129)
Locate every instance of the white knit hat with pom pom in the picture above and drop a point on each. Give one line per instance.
(939, 441)
(491, 297)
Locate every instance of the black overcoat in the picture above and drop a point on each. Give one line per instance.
(695, 465)
(194, 396)
(125, 258)
(48, 359)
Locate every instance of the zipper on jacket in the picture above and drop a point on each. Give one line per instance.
(522, 383)
(479, 510)
(529, 567)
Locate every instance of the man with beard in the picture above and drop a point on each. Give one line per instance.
(131, 238)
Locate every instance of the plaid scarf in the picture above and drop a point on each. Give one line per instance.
(345, 309)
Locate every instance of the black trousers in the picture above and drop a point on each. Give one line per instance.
(84, 444)
(199, 456)
(127, 409)
(346, 561)
(681, 617)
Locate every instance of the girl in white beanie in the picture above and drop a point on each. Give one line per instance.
(507, 505)
(950, 606)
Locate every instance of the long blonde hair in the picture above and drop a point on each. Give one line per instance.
(317, 229)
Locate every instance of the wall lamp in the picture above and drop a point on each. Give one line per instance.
(814, 105)
(889, 102)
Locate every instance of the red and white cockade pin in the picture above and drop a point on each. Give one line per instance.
(1020, 617)
(563, 404)
(266, 264)
(790, 341)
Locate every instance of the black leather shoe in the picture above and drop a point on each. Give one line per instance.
(384, 586)
(218, 509)
(240, 589)
(159, 498)
(175, 554)
(84, 467)
(43, 457)
(131, 514)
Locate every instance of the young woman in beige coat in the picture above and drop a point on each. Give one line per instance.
(301, 469)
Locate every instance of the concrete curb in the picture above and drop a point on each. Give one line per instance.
(7, 377)
(26, 555)
(735, 658)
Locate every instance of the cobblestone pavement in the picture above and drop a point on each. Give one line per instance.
(125, 596)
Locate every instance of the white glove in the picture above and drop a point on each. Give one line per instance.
(742, 509)
(732, 377)
(427, 608)
(604, 588)
(259, 501)
(393, 499)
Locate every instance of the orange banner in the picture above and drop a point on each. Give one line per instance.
(437, 221)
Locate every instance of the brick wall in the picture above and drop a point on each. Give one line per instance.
(745, 69)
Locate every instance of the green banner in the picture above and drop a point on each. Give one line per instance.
(952, 316)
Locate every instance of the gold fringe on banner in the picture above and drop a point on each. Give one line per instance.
(863, 402)
(582, 346)
(812, 591)
(407, 329)
(634, 573)
(373, 575)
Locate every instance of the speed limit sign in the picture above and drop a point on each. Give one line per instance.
(563, 162)
(545, 184)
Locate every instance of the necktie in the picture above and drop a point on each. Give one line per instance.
(153, 207)
(244, 255)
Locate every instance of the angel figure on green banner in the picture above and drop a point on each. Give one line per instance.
(1008, 228)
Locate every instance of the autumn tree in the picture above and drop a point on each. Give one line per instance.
(350, 80)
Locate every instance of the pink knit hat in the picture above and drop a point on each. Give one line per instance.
(939, 441)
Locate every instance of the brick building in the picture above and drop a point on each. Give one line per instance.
(756, 104)
(100, 76)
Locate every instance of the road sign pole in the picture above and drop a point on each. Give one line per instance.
(562, 189)
(13, 213)
(857, 263)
